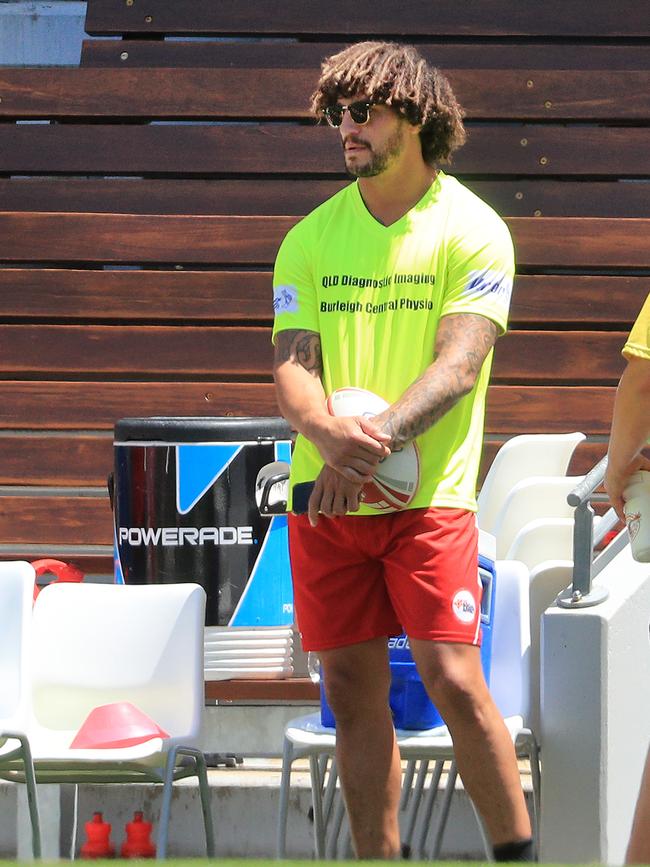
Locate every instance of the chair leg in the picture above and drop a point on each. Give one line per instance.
(317, 803)
(335, 829)
(329, 794)
(32, 798)
(165, 809)
(285, 787)
(407, 782)
(428, 809)
(414, 798)
(444, 813)
(487, 845)
(204, 793)
(536, 778)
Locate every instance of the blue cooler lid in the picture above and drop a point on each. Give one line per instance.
(188, 429)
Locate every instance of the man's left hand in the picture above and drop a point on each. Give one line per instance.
(332, 495)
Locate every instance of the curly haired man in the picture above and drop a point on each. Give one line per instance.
(399, 284)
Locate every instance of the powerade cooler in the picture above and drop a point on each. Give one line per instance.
(185, 511)
(409, 702)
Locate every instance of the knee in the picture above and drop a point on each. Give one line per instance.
(458, 692)
(352, 694)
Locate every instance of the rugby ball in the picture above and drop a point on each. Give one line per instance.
(396, 480)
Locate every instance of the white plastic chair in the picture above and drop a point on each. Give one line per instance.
(520, 457)
(510, 686)
(532, 499)
(96, 645)
(543, 539)
(16, 595)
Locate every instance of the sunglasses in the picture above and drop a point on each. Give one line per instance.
(359, 112)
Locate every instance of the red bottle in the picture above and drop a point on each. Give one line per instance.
(98, 844)
(138, 841)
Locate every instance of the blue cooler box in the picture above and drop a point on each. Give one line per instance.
(409, 702)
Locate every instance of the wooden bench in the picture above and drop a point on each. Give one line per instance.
(144, 196)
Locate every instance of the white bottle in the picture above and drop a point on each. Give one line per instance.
(637, 514)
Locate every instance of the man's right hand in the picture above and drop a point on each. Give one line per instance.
(351, 445)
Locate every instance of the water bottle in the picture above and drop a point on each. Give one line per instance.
(313, 666)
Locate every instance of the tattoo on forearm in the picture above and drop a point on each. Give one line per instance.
(462, 345)
(302, 348)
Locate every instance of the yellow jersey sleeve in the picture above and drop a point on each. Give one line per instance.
(295, 301)
(638, 343)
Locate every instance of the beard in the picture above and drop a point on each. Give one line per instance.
(378, 160)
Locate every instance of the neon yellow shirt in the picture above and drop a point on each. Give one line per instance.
(638, 343)
(376, 294)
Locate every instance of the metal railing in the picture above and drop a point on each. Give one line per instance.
(582, 593)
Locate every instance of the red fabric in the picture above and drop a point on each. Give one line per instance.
(360, 577)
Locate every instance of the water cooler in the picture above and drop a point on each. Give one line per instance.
(185, 510)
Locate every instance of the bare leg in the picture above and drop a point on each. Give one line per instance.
(638, 850)
(357, 681)
(483, 748)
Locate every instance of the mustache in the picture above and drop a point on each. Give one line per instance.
(355, 140)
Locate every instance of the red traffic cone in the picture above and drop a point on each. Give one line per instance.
(138, 843)
(98, 844)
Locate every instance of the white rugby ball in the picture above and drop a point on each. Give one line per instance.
(396, 480)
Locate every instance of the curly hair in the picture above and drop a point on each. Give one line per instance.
(399, 76)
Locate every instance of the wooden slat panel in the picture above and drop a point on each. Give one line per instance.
(68, 405)
(267, 149)
(90, 295)
(85, 460)
(52, 520)
(281, 93)
(266, 197)
(128, 238)
(292, 689)
(132, 351)
(583, 301)
(51, 459)
(309, 17)
(445, 54)
(544, 242)
(559, 357)
(90, 564)
(136, 295)
(549, 409)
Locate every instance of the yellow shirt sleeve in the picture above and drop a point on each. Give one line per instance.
(638, 343)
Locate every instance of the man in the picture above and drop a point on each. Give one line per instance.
(398, 284)
(629, 435)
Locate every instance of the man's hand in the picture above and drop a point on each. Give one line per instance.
(332, 495)
(616, 481)
(350, 445)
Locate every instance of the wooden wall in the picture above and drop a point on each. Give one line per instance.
(143, 197)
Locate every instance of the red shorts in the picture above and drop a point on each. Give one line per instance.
(360, 577)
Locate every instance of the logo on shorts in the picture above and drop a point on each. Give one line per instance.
(633, 522)
(464, 606)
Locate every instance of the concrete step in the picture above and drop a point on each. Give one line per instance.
(245, 802)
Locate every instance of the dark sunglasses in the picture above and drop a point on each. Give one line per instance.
(359, 112)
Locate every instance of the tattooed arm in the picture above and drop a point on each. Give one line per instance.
(463, 342)
(351, 446)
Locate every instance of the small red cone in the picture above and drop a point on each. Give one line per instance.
(98, 844)
(138, 841)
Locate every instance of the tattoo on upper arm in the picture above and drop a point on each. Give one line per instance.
(463, 343)
(300, 347)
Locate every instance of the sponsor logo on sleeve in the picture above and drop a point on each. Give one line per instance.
(285, 299)
(487, 282)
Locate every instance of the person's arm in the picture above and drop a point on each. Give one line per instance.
(352, 446)
(630, 430)
(463, 342)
